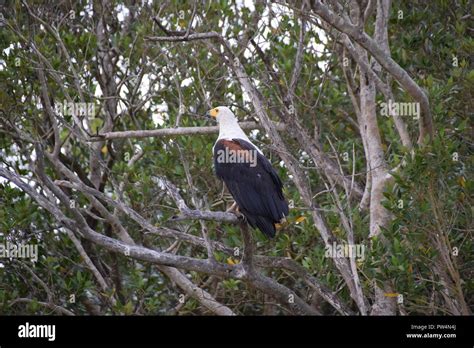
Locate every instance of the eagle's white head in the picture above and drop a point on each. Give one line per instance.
(228, 124)
(222, 114)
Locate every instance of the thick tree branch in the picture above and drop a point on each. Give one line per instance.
(173, 132)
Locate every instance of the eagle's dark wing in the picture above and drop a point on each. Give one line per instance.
(254, 184)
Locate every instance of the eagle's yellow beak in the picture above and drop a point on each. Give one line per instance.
(213, 112)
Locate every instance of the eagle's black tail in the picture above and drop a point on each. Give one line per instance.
(265, 225)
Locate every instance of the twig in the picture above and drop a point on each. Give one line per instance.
(55, 308)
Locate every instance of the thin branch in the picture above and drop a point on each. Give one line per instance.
(180, 38)
(55, 308)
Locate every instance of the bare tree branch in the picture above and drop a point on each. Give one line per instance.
(52, 306)
(173, 132)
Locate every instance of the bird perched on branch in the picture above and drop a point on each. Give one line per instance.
(248, 175)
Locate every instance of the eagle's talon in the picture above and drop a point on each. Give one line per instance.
(233, 208)
(240, 216)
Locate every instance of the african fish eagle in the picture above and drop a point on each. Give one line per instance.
(248, 175)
